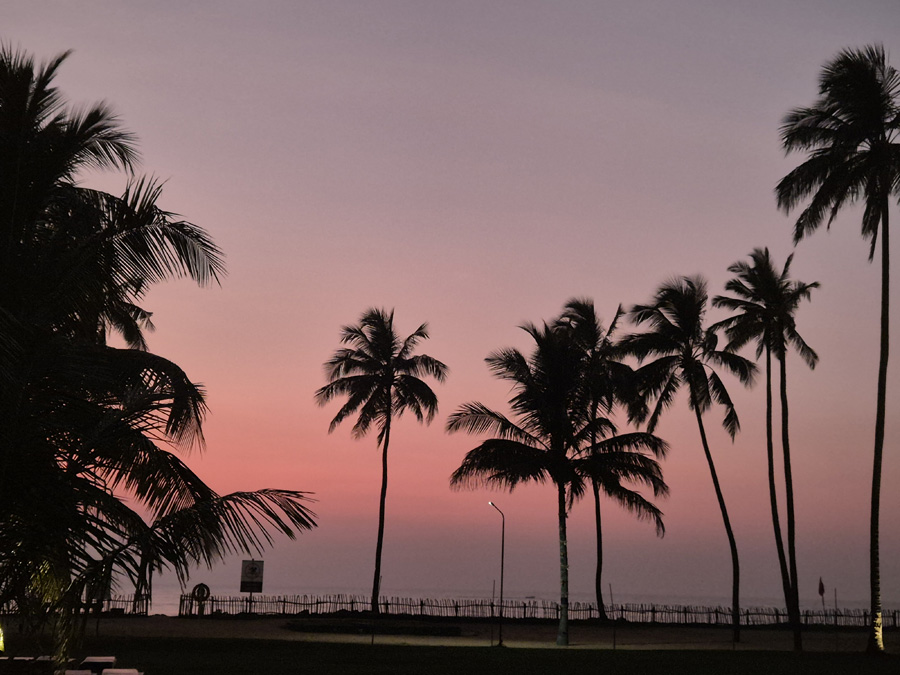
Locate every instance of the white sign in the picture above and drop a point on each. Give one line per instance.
(251, 576)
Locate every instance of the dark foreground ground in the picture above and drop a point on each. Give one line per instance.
(234, 646)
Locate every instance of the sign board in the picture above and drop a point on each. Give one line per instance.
(251, 576)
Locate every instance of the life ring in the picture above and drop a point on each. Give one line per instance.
(200, 592)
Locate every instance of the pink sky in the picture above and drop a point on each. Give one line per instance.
(474, 165)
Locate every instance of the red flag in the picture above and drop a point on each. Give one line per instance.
(821, 588)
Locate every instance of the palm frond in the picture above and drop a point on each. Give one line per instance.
(423, 365)
(631, 442)
(476, 418)
(744, 369)
(638, 506)
(210, 529)
(665, 395)
(412, 393)
(501, 462)
(720, 395)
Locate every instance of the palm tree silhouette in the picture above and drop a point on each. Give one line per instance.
(766, 302)
(685, 354)
(85, 424)
(851, 136)
(382, 379)
(607, 381)
(550, 439)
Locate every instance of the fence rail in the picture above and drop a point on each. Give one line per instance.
(479, 608)
(117, 604)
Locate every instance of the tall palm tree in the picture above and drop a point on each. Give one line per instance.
(685, 353)
(381, 379)
(852, 136)
(84, 423)
(765, 304)
(550, 430)
(607, 381)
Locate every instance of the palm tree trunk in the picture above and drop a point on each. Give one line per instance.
(876, 639)
(786, 584)
(376, 584)
(793, 603)
(735, 566)
(562, 636)
(598, 583)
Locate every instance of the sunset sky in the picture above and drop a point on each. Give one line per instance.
(475, 165)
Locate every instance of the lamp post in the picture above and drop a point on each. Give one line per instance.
(502, 555)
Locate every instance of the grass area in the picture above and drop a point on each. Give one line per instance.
(206, 656)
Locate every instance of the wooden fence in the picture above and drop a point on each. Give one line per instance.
(126, 604)
(115, 605)
(519, 609)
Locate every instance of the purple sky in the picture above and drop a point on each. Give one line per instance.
(474, 165)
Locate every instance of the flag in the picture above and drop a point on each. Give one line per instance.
(821, 588)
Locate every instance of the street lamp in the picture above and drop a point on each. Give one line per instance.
(502, 555)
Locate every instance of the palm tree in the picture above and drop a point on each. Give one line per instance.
(551, 429)
(85, 424)
(765, 304)
(852, 137)
(685, 354)
(382, 379)
(607, 381)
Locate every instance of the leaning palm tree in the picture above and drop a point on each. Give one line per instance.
(852, 137)
(548, 439)
(382, 379)
(765, 304)
(685, 354)
(607, 381)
